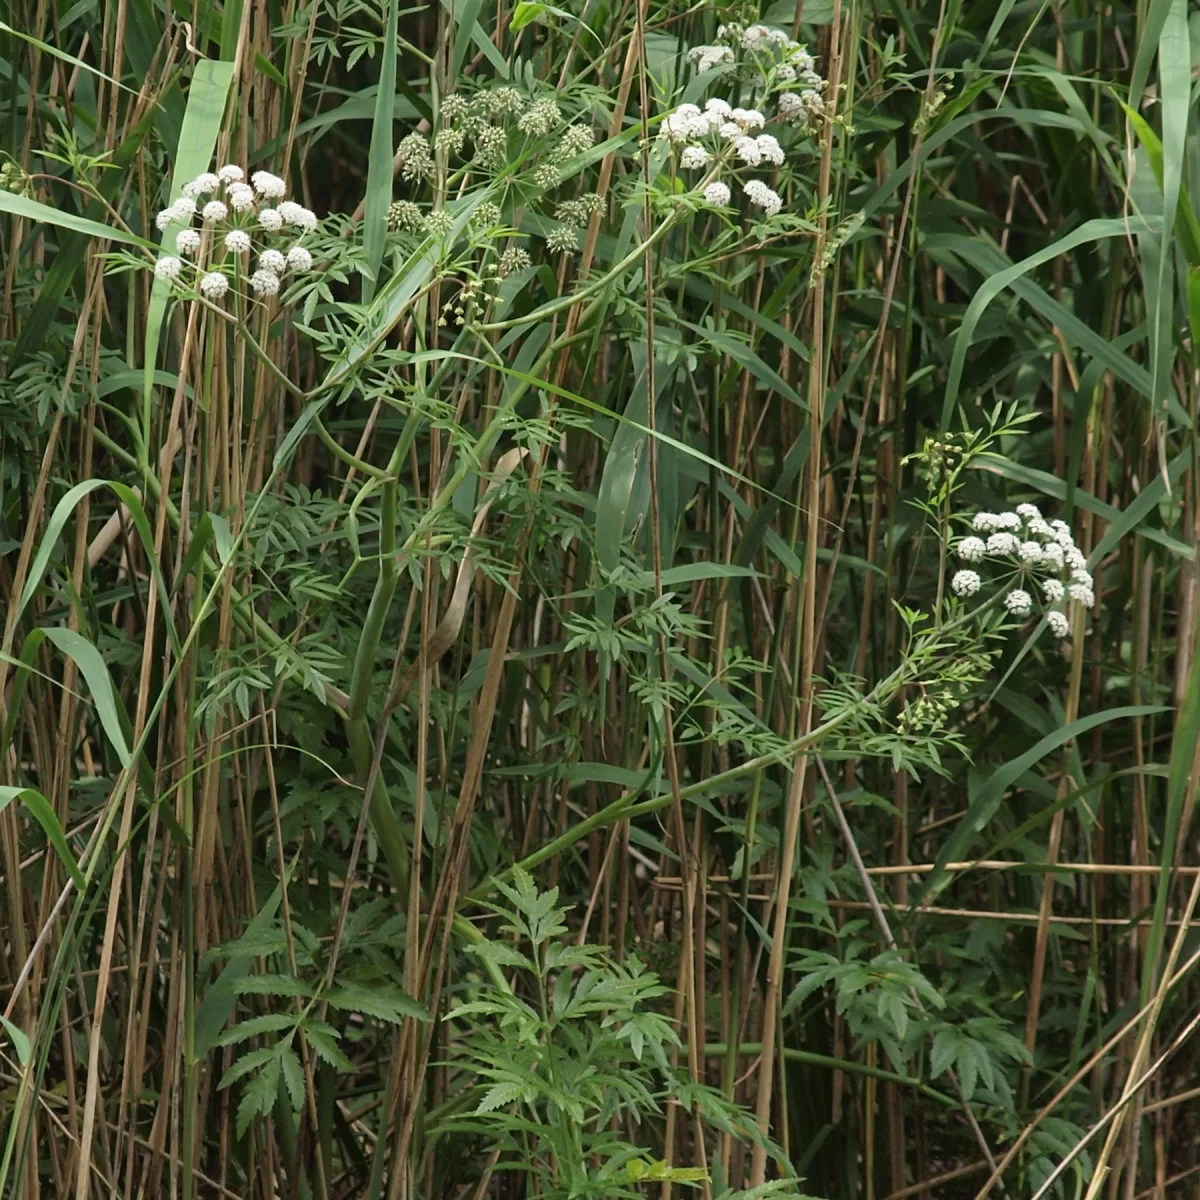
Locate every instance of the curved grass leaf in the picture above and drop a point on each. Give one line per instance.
(990, 795)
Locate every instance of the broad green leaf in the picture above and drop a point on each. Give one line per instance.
(42, 812)
(21, 1047)
(95, 673)
(1084, 337)
(45, 214)
(202, 120)
(379, 160)
(989, 797)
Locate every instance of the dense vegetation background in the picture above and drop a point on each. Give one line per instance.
(494, 699)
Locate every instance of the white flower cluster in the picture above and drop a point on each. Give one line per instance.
(767, 58)
(1025, 539)
(232, 213)
(734, 138)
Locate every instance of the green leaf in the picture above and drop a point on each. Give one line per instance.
(322, 1039)
(247, 1063)
(104, 699)
(987, 800)
(267, 1023)
(293, 1077)
(43, 812)
(217, 1006)
(202, 121)
(498, 1096)
(525, 14)
(45, 214)
(21, 1047)
(379, 161)
(259, 1097)
(271, 985)
(1082, 335)
(388, 1003)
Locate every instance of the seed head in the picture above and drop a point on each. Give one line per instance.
(514, 259)
(273, 261)
(561, 240)
(237, 241)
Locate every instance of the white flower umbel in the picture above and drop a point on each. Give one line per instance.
(231, 173)
(717, 108)
(273, 261)
(791, 106)
(215, 210)
(746, 148)
(705, 58)
(687, 122)
(264, 283)
(965, 583)
(1081, 595)
(1019, 602)
(1054, 590)
(1059, 625)
(770, 149)
(763, 197)
(717, 194)
(296, 214)
(1030, 552)
(748, 118)
(241, 197)
(1000, 545)
(269, 186)
(1029, 512)
(202, 185)
(187, 241)
(1083, 579)
(694, 158)
(270, 220)
(1075, 558)
(1052, 556)
(299, 259)
(214, 285)
(984, 522)
(164, 218)
(1008, 520)
(756, 37)
(184, 209)
(237, 241)
(168, 267)
(971, 549)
